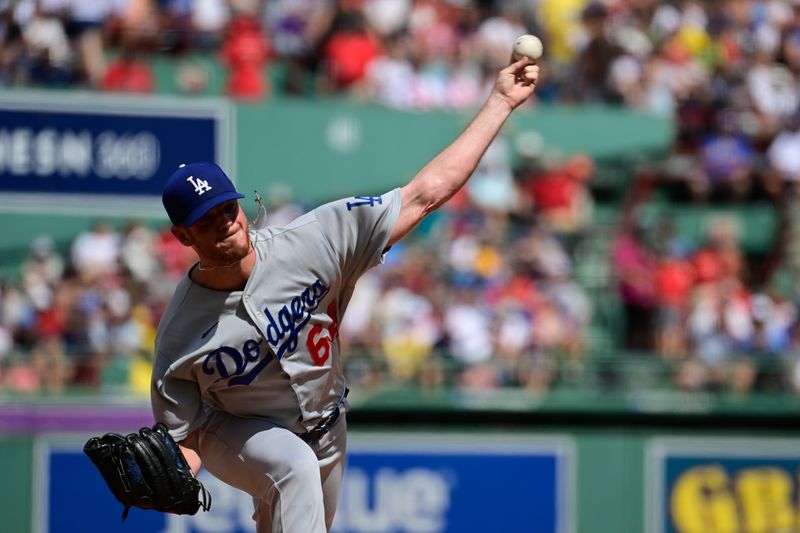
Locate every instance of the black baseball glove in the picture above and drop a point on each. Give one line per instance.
(147, 470)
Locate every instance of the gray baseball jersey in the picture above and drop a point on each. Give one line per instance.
(271, 350)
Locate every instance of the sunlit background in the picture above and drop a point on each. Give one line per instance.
(598, 334)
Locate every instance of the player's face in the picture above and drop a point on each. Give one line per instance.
(220, 236)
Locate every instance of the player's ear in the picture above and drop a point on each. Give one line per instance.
(181, 235)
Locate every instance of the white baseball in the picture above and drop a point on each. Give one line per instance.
(528, 45)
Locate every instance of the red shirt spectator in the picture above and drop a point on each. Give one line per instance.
(349, 49)
(348, 56)
(128, 73)
(175, 257)
(553, 189)
(245, 53)
(673, 282)
(708, 265)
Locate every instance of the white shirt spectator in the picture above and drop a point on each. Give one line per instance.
(783, 156)
(469, 330)
(495, 34)
(407, 316)
(773, 89)
(210, 15)
(392, 82)
(137, 252)
(355, 324)
(6, 342)
(96, 251)
(387, 16)
(492, 184)
(45, 34)
(91, 10)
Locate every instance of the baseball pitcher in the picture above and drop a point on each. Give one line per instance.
(247, 374)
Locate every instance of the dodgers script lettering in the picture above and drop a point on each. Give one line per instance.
(282, 333)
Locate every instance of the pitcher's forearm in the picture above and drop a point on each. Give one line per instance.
(446, 173)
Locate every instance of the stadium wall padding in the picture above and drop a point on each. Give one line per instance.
(569, 478)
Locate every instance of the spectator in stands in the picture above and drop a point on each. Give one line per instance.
(209, 18)
(782, 151)
(634, 266)
(348, 49)
(592, 77)
(790, 40)
(295, 29)
(727, 157)
(44, 262)
(391, 78)
(137, 252)
(497, 31)
(48, 49)
(720, 256)
(467, 323)
(41, 276)
(772, 88)
(558, 193)
(138, 24)
(491, 187)
(86, 29)
(408, 329)
(245, 52)
(433, 26)
(674, 278)
(128, 72)
(175, 258)
(175, 25)
(95, 252)
(52, 369)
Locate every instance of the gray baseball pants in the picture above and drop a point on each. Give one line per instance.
(294, 484)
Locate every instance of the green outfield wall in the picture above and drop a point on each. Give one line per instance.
(619, 472)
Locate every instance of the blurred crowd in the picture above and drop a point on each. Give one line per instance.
(660, 57)
(88, 316)
(481, 297)
(485, 293)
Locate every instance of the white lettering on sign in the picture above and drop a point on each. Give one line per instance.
(75, 154)
(20, 151)
(412, 501)
(391, 501)
(24, 151)
(45, 152)
(126, 156)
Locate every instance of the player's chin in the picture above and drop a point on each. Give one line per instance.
(234, 246)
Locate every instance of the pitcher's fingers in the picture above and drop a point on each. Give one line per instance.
(531, 72)
(516, 64)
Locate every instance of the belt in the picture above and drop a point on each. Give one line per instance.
(322, 428)
(325, 424)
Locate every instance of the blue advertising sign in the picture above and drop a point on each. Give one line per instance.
(394, 483)
(724, 484)
(82, 152)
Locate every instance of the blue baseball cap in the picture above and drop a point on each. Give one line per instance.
(194, 189)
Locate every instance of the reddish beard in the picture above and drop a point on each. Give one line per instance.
(230, 254)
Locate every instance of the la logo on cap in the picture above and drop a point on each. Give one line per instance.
(200, 186)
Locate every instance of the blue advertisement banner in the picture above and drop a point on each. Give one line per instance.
(716, 485)
(88, 150)
(414, 483)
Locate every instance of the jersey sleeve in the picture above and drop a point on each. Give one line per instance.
(358, 230)
(176, 402)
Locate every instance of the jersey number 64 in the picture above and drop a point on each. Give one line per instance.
(320, 339)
